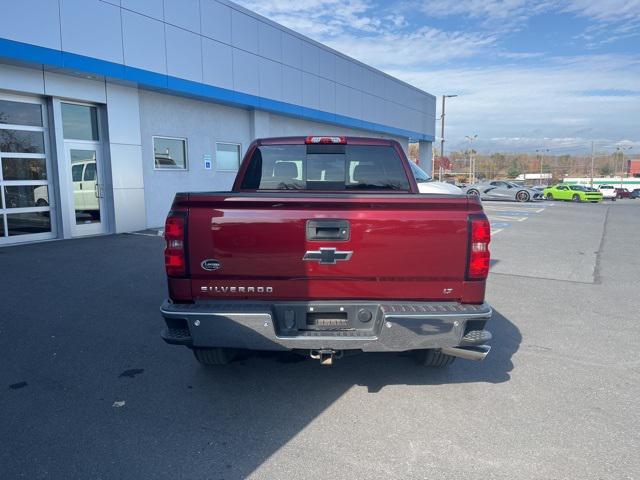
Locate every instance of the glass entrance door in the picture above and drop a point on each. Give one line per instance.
(26, 189)
(84, 163)
(80, 127)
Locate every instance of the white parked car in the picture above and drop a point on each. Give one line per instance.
(608, 192)
(426, 184)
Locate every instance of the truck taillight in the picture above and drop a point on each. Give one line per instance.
(174, 253)
(479, 256)
(338, 140)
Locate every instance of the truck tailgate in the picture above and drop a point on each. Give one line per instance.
(410, 247)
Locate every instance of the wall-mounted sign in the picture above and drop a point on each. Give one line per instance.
(206, 158)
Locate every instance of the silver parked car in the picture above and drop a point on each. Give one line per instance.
(503, 190)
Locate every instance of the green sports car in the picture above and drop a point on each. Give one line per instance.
(575, 193)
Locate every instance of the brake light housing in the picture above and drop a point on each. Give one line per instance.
(326, 140)
(479, 257)
(175, 235)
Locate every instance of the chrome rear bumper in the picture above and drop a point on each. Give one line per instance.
(391, 327)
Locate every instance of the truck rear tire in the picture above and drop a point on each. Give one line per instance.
(433, 358)
(214, 356)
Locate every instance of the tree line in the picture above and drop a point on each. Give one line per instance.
(510, 165)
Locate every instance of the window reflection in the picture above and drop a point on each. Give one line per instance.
(228, 156)
(169, 153)
(79, 122)
(28, 223)
(85, 186)
(23, 196)
(24, 168)
(21, 141)
(20, 113)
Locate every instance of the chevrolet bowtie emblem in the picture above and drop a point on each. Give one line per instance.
(327, 256)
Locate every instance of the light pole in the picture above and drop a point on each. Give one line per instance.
(622, 150)
(472, 167)
(592, 163)
(542, 152)
(444, 97)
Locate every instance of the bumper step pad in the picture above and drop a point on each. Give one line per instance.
(476, 337)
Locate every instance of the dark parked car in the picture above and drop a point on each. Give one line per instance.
(622, 193)
(635, 193)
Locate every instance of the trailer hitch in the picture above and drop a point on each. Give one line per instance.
(325, 356)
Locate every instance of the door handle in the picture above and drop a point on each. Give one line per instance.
(328, 230)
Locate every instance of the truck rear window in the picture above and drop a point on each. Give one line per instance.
(325, 167)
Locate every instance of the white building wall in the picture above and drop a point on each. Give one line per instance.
(23, 80)
(186, 47)
(120, 136)
(283, 126)
(425, 158)
(203, 124)
(125, 153)
(221, 44)
(138, 195)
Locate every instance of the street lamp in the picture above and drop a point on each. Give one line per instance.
(444, 97)
(542, 152)
(472, 167)
(622, 150)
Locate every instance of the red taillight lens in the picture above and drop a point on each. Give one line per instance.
(174, 255)
(337, 140)
(479, 256)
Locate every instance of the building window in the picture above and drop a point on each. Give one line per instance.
(25, 186)
(170, 153)
(228, 156)
(79, 122)
(20, 113)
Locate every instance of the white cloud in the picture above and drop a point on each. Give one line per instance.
(608, 11)
(423, 46)
(379, 39)
(612, 20)
(487, 11)
(538, 102)
(318, 18)
(556, 146)
(541, 102)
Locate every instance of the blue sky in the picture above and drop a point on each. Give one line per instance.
(529, 74)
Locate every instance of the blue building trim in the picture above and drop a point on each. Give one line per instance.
(25, 52)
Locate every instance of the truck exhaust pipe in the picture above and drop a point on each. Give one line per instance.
(476, 352)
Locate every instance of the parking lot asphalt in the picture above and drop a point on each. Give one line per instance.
(506, 214)
(88, 389)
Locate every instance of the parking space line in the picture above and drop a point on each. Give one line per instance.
(527, 206)
(501, 214)
(498, 224)
(507, 218)
(511, 213)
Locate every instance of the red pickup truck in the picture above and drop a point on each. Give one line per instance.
(324, 247)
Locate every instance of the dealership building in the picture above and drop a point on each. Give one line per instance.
(109, 107)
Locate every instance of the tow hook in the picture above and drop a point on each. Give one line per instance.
(325, 356)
